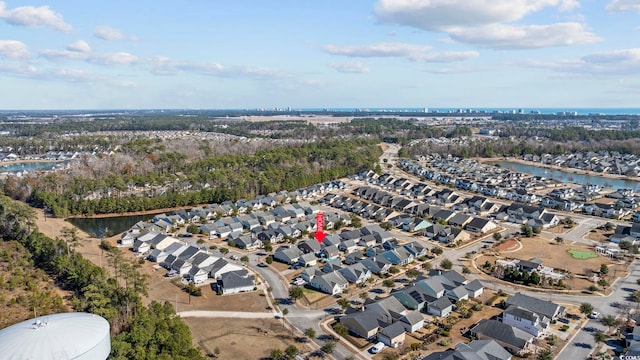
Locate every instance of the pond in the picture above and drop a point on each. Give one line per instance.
(108, 226)
(29, 166)
(567, 176)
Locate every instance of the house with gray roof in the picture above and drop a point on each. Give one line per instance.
(361, 323)
(475, 350)
(392, 335)
(287, 255)
(332, 283)
(526, 320)
(541, 307)
(308, 259)
(222, 266)
(234, 282)
(440, 307)
(377, 265)
(511, 338)
(355, 273)
(197, 275)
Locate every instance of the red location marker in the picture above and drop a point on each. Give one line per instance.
(320, 234)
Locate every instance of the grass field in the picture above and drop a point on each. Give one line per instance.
(582, 255)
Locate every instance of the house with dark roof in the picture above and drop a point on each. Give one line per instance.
(526, 320)
(355, 273)
(480, 225)
(377, 265)
(511, 338)
(475, 350)
(235, 282)
(222, 266)
(361, 324)
(541, 307)
(392, 335)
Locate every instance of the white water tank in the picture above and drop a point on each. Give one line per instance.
(77, 336)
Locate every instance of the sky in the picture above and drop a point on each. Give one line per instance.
(247, 54)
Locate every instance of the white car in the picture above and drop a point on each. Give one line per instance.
(377, 347)
(594, 315)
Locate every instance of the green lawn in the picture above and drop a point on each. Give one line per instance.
(582, 255)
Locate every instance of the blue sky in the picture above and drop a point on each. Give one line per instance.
(214, 54)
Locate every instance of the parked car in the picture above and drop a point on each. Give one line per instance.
(594, 315)
(377, 347)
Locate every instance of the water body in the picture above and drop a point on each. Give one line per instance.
(29, 166)
(568, 176)
(108, 226)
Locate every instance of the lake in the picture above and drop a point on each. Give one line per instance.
(567, 176)
(29, 166)
(108, 225)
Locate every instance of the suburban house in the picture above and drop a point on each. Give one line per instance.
(480, 225)
(287, 255)
(235, 282)
(511, 338)
(332, 283)
(221, 267)
(355, 273)
(392, 335)
(543, 308)
(387, 318)
(475, 350)
(526, 320)
(245, 242)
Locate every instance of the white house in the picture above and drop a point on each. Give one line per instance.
(525, 320)
(331, 283)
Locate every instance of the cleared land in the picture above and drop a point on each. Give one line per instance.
(557, 256)
(240, 338)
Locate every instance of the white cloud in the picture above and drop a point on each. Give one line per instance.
(410, 51)
(354, 67)
(73, 75)
(624, 56)
(79, 46)
(18, 70)
(119, 58)
(13, 50)
(80, 50)
(51, 54)
(378, 50)
(109, 33)
(34, 17)
(615, 63)
(487, 23)
(526, 36)
(448, 56)
(162, 65)
(438, 15)
(624, 5)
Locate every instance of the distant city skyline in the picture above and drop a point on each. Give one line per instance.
(248, 54)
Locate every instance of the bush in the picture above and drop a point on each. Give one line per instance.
(564, 328)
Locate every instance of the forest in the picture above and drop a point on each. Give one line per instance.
(138, 332)
(164, 179)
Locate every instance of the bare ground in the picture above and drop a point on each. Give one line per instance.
(556, 256)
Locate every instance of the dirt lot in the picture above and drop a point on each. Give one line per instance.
(241, 338)
(556, 256)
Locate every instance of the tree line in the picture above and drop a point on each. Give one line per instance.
(138, 332)
(180, 182)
